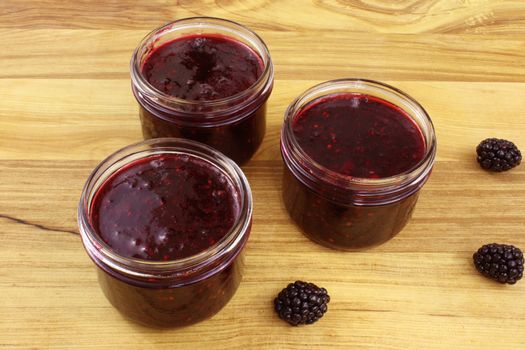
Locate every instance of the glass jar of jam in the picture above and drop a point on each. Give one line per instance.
(165, 221)
(204, 79)
(356, 154)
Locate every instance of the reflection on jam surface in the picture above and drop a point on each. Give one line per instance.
(165, 207)
(202, 67)
(359, 135)
(339, 226)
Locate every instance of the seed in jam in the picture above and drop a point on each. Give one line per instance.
(202, 67)
(165, 207)
(359, 135)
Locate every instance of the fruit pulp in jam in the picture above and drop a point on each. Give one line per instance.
(204, 68)
(167, 207)
(359, 135)
(353, 135)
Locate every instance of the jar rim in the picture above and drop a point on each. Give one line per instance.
(227, 245)
(294, 154)
(262, 82)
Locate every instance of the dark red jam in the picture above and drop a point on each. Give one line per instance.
(201, 69)
(359, 135)
(165, 306)
(342, 226)
(165, 207)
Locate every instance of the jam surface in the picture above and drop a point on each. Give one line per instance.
(359, 135)
(165, 207)
(202, 67)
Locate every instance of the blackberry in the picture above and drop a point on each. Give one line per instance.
(498, 154)
(301, 303)
(501, 262)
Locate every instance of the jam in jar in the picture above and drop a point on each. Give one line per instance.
(166, 221)
(356, 154)
(205, 79)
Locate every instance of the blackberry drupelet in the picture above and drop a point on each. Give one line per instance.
(301, 303)
(501, 262)
(498, 154)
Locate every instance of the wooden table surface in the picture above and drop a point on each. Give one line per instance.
(66, 103)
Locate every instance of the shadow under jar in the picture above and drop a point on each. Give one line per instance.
(165, 221)
(204, 79)
(356, 154)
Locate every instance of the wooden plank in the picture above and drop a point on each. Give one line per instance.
(298, 55)
(46, 188)
(96, 117)
(404, 16)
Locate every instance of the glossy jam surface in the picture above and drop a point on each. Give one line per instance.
(359, 135)
(202, 67)
(165, 207)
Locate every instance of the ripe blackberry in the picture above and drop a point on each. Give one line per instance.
(498, 154)
(501, 262)
(301, 303)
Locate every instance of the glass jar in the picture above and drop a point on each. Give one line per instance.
(174, 292)
(344, 212)
(235, 125)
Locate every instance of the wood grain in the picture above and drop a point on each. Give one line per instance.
(403, 16)
(322, 55)
(65, 104)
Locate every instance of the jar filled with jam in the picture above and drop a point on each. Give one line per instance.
(356, 154)
(166, 221)
(204, 79)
